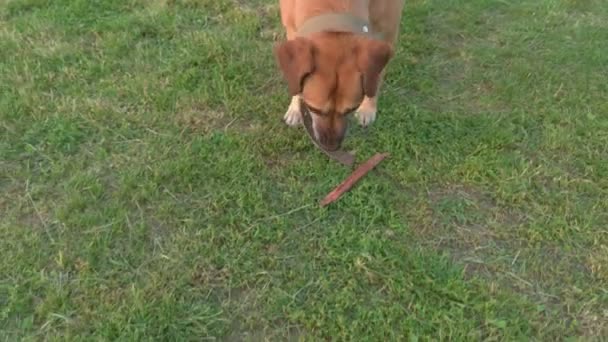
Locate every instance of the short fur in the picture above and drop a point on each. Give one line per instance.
(336, 74)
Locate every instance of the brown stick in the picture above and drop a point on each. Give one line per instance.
(349, 182)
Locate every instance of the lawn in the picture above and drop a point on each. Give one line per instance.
(150, 191)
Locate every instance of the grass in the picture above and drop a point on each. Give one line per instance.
(149, 191)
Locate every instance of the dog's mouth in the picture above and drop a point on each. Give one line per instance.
(329, 129)
(343, 157)
(309, 123)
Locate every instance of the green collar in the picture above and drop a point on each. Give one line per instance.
(335, 22)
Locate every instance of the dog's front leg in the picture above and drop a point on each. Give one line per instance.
(293, 116)
(366, 113)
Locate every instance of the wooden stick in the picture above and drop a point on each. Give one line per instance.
(349, 182)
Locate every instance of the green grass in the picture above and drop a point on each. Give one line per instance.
(149, 191)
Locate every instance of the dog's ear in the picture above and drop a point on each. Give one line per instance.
(372, 57)
(296, 60)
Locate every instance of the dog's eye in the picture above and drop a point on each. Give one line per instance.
(315, 110)
(304, 78)
(352, 110)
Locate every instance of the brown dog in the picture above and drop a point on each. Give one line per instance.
(334, 60)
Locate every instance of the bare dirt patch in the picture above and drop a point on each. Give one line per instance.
(205, 121)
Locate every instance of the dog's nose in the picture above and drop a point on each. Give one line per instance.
(331, 146)
(330, 140)
(330, 132)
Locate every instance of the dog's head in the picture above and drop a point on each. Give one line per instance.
(332, 72)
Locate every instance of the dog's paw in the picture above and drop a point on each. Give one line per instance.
(366, 114)
(293, 116)
(366, 117)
